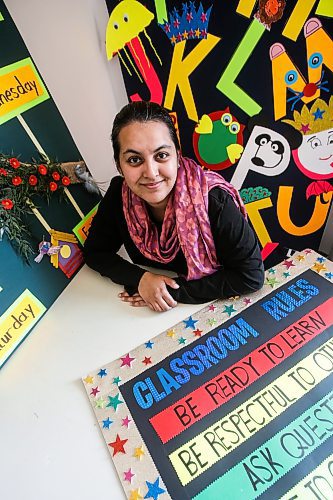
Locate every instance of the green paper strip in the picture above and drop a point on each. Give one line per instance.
(325, 8)
(1, 17)
(161, 11)
(82, 228)
(227, 85)
(236, 482)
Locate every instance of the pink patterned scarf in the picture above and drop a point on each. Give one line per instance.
(186, 223)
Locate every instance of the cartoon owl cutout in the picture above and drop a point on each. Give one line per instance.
(218, 140)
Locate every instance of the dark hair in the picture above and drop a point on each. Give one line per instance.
(140, 111)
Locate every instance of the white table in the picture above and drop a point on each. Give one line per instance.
(51, 446)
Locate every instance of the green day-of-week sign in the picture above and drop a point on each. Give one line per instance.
(21, 88)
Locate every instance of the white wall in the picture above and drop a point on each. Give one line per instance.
(66, 39)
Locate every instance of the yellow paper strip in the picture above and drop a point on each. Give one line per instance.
(214, 443)
(73, 202)
(17, 321)
(32, 136)
(297, 19)
(245, 7)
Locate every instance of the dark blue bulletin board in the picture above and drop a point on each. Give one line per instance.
(30, 125)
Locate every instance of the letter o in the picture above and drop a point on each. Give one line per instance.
(324, 493)
(320, 354)
(228, 339)
(218, 349)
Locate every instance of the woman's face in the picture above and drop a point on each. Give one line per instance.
(148, 160)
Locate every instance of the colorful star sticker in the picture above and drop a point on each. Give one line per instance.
(128, 475)
(212, 308)
(318, 114)
(319, 267)
(106, 423)
(94, 391)
(272, 270)
(100, 402)
(300, 258)
(229, 310)
(102, 372)
(114, 401)
(212, 321)
(197, 332)
(118, 445)
(146, 361)
(272, 282)
(288, 263)
(247, 301)
(154, 490)
(176, 23)
(307, 251)
(127, 360)
(138, 452)
(135, 494)
(171, 333)
(89, 379)
(305, 128)
(321, 259)
(329, 275)
(190, 322)
(116, 381)
(149, 344)
(182, 340)
(126, 421)
(286, 274)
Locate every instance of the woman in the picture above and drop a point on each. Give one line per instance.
(169, 214)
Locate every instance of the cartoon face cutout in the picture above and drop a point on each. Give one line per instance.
(315, 155)
(269, 153)
(266, 152)
(126, 21)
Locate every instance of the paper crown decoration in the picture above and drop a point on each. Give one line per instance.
(192, 24)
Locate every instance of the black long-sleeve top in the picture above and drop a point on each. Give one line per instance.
(236, 245)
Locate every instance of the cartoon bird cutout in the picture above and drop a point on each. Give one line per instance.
(218, 140)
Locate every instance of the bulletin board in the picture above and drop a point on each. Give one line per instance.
(249, 86)
(33, 130)
(233, 402)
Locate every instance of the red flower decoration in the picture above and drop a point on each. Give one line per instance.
(66, 180)
(3, 171)
(33, 180)
(56, 176)
(42, 170)
(14, 162)
(53, 186)
(17, 180)
(7, 204)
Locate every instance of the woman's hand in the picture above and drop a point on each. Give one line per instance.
(134, 300)
(153, 291)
